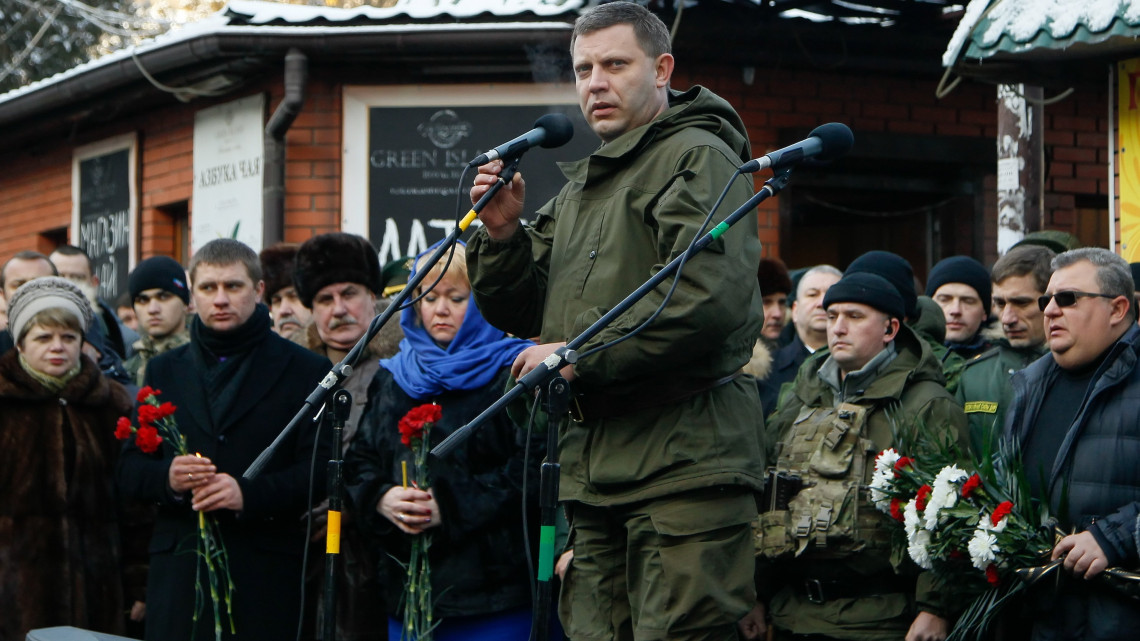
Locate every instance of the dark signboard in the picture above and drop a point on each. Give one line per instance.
(105, 218)
(418, 154)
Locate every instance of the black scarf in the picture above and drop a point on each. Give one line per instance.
(222, 366)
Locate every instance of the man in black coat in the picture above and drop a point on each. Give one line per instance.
(236, 385)
(1074, 417)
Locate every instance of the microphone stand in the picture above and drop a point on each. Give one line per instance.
(547, 375)
(341, 404)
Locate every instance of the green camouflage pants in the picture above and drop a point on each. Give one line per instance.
(678, 568)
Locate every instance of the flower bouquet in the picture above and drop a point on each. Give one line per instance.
(973, 532)
(156, 425)
(415, 428)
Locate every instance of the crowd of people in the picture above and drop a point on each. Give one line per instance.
(715, 460)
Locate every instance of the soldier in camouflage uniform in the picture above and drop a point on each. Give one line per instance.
(922, 315)
(160, 296)
(985, 390)
(824, 562)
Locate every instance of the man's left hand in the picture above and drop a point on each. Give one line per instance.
(928, 627)
(221, 493)
(1083, 556)
(532, 357)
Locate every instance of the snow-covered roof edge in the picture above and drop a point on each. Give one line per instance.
(266, 12)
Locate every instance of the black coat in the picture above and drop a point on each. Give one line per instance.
(478, 558)
(1096, 466)
(266, 541)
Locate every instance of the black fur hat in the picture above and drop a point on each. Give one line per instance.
(277, 268)
(335, 258)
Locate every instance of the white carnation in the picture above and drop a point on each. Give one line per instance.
(944, 493)
(919, 551)
(983, 547)
(911, 519)
(885, 461)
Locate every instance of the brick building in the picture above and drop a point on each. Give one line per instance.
(920, 180)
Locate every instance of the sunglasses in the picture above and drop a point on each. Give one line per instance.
(1067, 299)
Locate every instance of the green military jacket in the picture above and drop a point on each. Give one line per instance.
(909, 391)
(931, 327)
(985, 391)
(627, 210)
(147, 348)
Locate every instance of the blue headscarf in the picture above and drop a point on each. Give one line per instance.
(473, 358)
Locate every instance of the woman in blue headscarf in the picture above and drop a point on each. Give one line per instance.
(452, 357)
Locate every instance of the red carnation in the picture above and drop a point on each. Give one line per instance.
(123, 428)
(166, 409)
(1000, 512)
(145, 393)
(148, 439)
(412, 425)
(148, 414)
(896, 510)
(903, 463)
(971, 484)
(922, 497)
(957, 554)
(992, 575)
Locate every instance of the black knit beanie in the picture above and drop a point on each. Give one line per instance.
(159, 272)
(896, 270)
(961, 269)
(868, 289)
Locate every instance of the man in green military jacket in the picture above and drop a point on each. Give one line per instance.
(661, 467)
(984, 389)
(825, 565)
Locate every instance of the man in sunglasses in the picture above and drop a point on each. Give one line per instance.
(1076, 417)
(985, 392)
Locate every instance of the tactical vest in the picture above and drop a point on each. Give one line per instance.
(831, 515)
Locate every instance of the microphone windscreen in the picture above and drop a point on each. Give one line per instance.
(559, 130)
(835, 140)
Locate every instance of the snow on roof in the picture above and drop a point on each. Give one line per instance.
(251, 17)
(1013, 26)
(267, 12)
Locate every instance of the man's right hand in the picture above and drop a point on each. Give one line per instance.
(189, 471)
(501, 215)
(753, 626)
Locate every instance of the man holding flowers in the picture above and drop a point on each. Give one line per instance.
(825, 568)
(232, 389)
(1076, 419)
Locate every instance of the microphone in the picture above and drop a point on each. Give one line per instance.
(824, 144)
(551, 130)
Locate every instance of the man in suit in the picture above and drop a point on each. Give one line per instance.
(236, 385)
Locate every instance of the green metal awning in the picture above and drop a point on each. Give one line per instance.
(1023, 32)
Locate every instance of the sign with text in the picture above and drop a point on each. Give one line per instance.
(103, 195)
(228, 151)
(417, 154)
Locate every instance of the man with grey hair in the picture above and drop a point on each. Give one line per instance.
(1075, 418)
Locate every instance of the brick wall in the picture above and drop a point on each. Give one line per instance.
(1076, 132)
(36, 186)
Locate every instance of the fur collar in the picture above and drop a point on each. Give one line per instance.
(89, 387)
(760, 364)
(384, 345)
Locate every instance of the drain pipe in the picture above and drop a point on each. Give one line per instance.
(273, 183)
